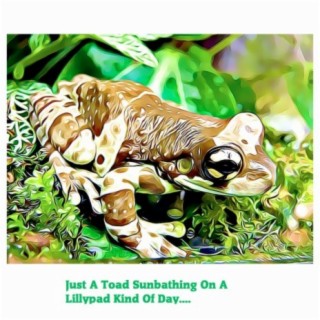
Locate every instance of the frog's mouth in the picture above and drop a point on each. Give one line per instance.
(240, 186)
(201, 185)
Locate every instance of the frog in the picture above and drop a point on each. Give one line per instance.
(114, 139)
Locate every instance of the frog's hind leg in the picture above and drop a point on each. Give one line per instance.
(121, 219)
(125, 227)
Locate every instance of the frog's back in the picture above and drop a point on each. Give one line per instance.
(90, 101)
(101, 101)
(85, 121)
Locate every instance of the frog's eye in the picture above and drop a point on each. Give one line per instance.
(184, 165)
(222, 163)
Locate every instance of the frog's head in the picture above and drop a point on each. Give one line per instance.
(231, 162)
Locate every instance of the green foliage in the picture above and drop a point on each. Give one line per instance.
(44, 227)
(21, 136)
(98, 246)
(38, 206)
(131, 46)
(300, 87)
(236, 223)
(94, 60)
(177, 78)
(38, 41)
(41, 47)
(191, 37)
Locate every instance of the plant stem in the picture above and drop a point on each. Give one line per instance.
(224, 43)
(54, 61)
(62, 42)
(127, 70)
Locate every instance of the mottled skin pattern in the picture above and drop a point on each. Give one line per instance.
(134, 142)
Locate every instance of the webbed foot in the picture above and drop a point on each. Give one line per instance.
(73, 180)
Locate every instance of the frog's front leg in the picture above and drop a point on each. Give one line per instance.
(72, 180)
(121, 219)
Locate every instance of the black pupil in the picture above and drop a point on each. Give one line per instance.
(225, 166)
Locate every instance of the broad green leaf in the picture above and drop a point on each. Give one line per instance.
(95, 237)
(21, 136)
(114, 253)
(129, 45)
(177, 77)
(102, 64)
(96, 62)
(91, 232)
(18, 94)
(23, 89)
(243, 94)
(189, 80)
(99, 247)
(153, 36)
(215, 96)
(300, 87)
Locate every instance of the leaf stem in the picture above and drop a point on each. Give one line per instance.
(62, 42)
(127, 70)
(224, 43)
(54, 61)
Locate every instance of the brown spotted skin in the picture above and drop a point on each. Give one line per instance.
(120, 207)
(151, 183)
(106, 125)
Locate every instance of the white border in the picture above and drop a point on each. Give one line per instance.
(256, 291)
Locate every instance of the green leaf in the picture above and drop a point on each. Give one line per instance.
(153, 36)
(191, 37)
(21, 139)
(21, 136)
(38, 41)
(243, 94)
(190, 80)
(54, 61)
(177, 77)
(228, 243)
(114, 253)
(129, 45)
(96, 62)
(48, 179)
(10, 37)
(300, 87)
(21, 90)
(215, 95)
(91, 232)
(99, 247)
(17, 223)
(18, 71)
